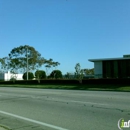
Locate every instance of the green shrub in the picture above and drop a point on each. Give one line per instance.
(40, 74)
(56, 74)
(30, 75)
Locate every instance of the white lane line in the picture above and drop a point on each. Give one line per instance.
(33, 121)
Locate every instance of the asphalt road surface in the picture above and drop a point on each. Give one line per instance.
(49, 109)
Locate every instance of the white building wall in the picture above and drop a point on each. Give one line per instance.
(20, 77)
(8, 76)
(98, 69)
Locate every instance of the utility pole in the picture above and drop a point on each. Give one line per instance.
(27, 63)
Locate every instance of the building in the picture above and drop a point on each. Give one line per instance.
(112, 67)
(7, 76)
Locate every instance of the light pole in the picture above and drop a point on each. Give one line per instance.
(27, 63)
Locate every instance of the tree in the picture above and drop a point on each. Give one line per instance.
(1, 64)
(30, 75)
(67, 75)
(55, 64)
(4, 67)
(89, 71)
(4, 64)
(50, 64)
(13, 78)
(70, 75)
(47, 68)
(79, 72)
(56, 74)
(40, 74)
(21, 56)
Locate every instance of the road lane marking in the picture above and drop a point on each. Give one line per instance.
(33, 121)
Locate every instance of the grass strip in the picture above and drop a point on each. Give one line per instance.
(91, 87)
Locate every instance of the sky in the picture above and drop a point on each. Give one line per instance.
(68, 31)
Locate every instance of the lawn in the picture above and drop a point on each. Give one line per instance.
(75, 87)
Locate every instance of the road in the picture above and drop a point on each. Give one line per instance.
(49, 109)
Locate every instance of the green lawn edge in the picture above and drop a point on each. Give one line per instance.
(124, 88)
